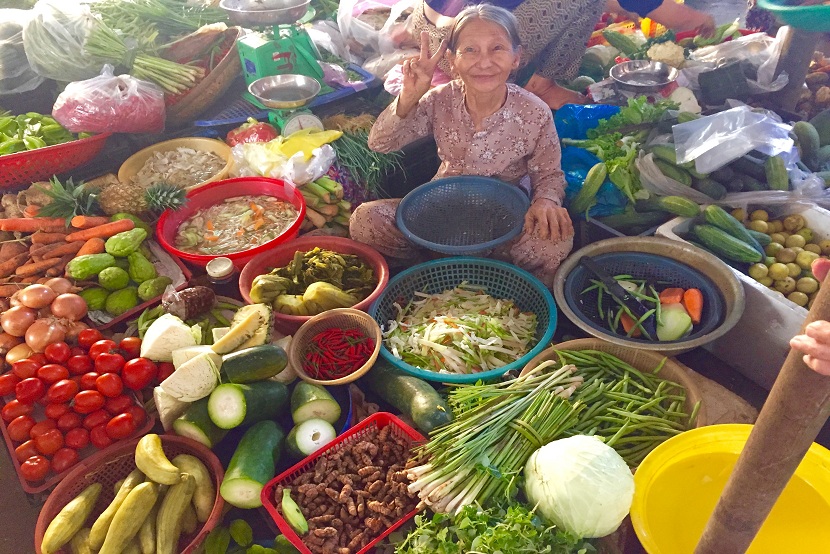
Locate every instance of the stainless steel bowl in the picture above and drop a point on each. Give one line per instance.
(285, 92)
(643, 75)
(253, 13)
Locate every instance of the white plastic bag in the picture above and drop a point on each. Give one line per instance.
(655, 182)
(326, 36)
(258, 159)
(362, 36)
(16, 75)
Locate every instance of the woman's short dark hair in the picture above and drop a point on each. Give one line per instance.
(488, 12)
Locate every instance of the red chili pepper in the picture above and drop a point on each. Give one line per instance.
(252, 131)
(336, 353)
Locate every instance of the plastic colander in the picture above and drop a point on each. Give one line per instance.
(462, 215)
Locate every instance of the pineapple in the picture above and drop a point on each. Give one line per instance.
(66, 200)
(123, 197)
(164, 196)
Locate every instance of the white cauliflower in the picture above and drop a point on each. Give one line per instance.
(667, 52)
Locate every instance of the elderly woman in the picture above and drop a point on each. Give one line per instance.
(483, 126)
(815, 342)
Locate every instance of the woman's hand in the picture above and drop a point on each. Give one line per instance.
(815, 342)
(417, 75)
(547, 221)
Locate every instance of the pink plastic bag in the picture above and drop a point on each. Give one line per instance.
(107, 103)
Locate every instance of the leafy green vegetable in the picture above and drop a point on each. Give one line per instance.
(514, 529)
(639, 111)
(241, 532)
(217, 541)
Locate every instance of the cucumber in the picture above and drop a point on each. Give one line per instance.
(253, 364)
(311, 401)
(720, 218)
(747, 166)
(673, 172)
(414, 397)
(776, 172)
(808, 141)
(723, 175)
(231, 405)
(253, 464)
(308, 437)
(725, 245)
(762, 238)
(196, 424)
(710, 188)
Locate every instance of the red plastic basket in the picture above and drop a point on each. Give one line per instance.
(379, 421)
(113, 464)
(24, 168)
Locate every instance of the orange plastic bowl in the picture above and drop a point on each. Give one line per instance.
(216, 192)
(284, 253)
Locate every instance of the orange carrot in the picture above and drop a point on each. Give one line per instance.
(34, 268)
(94, 245)
(9, 289)
(57, 249)
(47, 238)
(628, 324)
(671, 296)
(32, 224)
(693, 302)
(10, 249)
(88, 221)
(8, 267)
(57, 269)
(31, 210)
(102, 231)
(30, 279)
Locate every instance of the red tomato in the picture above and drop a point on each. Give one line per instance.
(120, 427)
(14, 408)
(104, 346)
(25, 451)
(166, 369)
(138, 413)
(52, 373)
(34, 468)
(54, 411)
(109, 384)
(118, 404)
(25, 368)
(139, 373)
(77, 351)
(78, 365)
(19, 427)
(77, 438)
(68, 421)
(49, 442)
(87, 401)
(41, 427)
(99, 438)
(88, 337)
(131, 347)
(39, 359)
(109, 363)
(96, 418)
(57, 352)
(88, 380)
(64, 459)
(62, 391)
(29, 390)
(7, 383)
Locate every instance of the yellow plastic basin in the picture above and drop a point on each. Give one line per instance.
(680, 481)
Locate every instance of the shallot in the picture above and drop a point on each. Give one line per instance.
(69, 306)
(19, 352)
(15, 321)
(44, 332)
(37, 296)
(61, 285)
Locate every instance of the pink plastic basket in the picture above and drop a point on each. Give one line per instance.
(379, 421)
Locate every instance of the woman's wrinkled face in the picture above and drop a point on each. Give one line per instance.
(484, 56)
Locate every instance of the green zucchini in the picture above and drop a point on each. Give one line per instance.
(720, 218)
(196, 424)
(762, 238)
(253, 364)
(751, 184)
(747, 166)
(231, 405)
(310, 401)
(308, 437)
(586, 197)
(665, 152)
(673, 172)
(412, 396)
(253, 464)
(710, 188)
(725, 245)
(776, 172)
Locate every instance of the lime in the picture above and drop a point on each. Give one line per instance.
(759, 215)
(805, 259)
(758, 225)
(785, 285)
(785, 255)
(806, 285)
(795, 240)
(778, 271)
(798, 297)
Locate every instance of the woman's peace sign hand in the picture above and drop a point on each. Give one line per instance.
(417, 75)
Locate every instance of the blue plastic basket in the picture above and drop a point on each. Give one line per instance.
(662, 272)
(502, 280)
(462, 215)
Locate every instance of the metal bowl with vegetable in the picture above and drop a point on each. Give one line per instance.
(285, 92)
(263, 13)
(643, 75)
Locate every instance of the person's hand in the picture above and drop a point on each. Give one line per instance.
(417, 75)
(547, 221)
(704, 24)
(815, 342)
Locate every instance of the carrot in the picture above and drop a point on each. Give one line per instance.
(34, 268)
(32, 224)
(47, 238)
(102, 231)
(31, 210)
(8, 267)
(671, 296)
(30, 279)
(94, 245)
(57, 269)
(11, 248)
(693, 302)
(628, 324)
(57, 249)
(9, 289)
(88, 222)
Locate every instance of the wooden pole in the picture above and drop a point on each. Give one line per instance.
(797, 53)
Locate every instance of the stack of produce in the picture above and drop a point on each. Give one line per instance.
(816, 97)
(325, 204)
(30, 131)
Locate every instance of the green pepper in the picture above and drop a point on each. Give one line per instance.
(33, 142)
(7, 124)
(11, 146)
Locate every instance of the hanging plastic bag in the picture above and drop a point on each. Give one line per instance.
(361, 23)
(16, 75)
(107, 103)
(655, 182)
(265, 159)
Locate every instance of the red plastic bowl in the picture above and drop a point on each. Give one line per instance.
(212, 193)
(284, 253)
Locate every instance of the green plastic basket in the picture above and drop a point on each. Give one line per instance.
(502, 280)
(810, 18)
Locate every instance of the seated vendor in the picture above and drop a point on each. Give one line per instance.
(482, 125)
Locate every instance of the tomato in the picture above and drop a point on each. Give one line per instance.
(78, 365)
(15, 408)
(120, 427)
(52, 373)
(139, 373)
(49, 442)
(62, 391)
(19, 427)
(87, 401)
(41, 427)
(88, 380)
(7, 383)
(138, 413)
(55, 411)
(25, 368)
(77, 438)
(77, 351)
(29, 390)
(25, 451)
(109, 384)
(166, 369)
(99, 438)
(109, 363)
(96, 418)
(69, 421)
(131, 347)
(118, 404)
(57, 352)
(35, 468)
(104, 346)
(64, 459)
(88, 337)
(39, 359)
